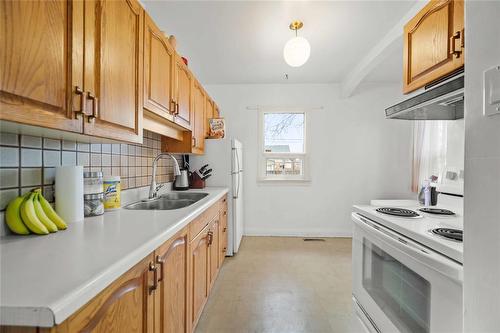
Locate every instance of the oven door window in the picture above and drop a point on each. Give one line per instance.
(403, 295)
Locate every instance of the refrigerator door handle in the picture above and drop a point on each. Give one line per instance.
(235, 196)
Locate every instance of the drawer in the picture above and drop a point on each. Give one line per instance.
(196, 226)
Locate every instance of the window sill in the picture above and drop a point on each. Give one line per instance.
(267, 181)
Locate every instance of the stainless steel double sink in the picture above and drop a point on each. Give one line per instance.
(168, 201)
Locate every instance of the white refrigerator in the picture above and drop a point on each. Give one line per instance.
(225, 158)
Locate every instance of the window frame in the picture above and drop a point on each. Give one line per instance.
(263, 155)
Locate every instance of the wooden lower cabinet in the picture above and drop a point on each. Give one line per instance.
(171, 295)
(222, 232)
(199, 267)
(164, 293)
(125, 306)
(214, 251)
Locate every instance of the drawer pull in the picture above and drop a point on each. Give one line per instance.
(453, 51)
(153, 268)
(160, 262)
(83, 98)
(95, 107)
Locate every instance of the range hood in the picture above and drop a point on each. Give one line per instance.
(440, 102)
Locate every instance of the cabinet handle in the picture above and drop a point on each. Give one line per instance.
(79, 91)
(160, 261)
(210, 237)
(95, 107)
(176, 108)
(224, 249)
(453, 51)
(224, 229)
(194, 142)
(462, 39)
(173, 107)
(153, 268)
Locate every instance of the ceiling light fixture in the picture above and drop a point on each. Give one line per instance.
(297, 50)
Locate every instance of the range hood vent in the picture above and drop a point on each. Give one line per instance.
(442, 102)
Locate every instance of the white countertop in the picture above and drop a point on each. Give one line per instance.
(45, 279)
(418, 228)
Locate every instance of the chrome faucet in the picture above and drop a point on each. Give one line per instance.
(153, 188)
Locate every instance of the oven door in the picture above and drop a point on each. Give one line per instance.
(402, 286)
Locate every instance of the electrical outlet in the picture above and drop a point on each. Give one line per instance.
(491, 91)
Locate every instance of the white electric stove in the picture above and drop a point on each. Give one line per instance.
(407, 265)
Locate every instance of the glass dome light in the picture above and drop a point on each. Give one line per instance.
(297, 50)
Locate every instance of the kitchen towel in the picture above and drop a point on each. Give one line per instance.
(69, 193)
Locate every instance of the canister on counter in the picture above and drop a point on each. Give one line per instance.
(93, 204)
(92, 182)
(111, 192)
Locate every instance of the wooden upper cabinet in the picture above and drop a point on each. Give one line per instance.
(113, 69)
(199, 101)
(127, 305)
(182, 94)
(433, 43)
(216, 111)
(171, 295)
(159, 59)
(210, 113)
(39, 64)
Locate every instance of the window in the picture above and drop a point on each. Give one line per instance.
(283, 146)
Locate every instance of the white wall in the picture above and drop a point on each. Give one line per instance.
(482, 173)
(356, 155)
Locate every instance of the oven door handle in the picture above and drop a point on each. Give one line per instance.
(430, 258)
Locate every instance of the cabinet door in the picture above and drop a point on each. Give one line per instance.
(171, 295)
(183, 113)
(199, 272)
(222, 235)
(216, 111)
(210, 113)
(433, 43)
(125, 306)
(40, 63)
(199, 118)
(113, 69)
(214, 250)
(158, 68)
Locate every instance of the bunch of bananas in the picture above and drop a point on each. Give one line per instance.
(31, 212)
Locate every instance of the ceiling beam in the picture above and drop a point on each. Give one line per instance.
(391, 42)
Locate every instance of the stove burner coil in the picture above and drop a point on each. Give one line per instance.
(398, 212)
(437, 211)
(453, 234)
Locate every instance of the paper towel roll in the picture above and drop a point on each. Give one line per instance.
(69, 193)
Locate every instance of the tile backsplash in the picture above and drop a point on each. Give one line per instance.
(27, 162)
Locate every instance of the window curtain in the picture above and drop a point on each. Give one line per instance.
(429, 150)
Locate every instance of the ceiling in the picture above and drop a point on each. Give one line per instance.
(242, 41)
